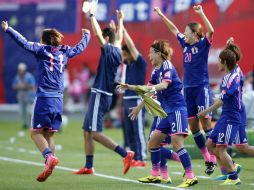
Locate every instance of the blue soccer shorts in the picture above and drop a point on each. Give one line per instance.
(197, 99)
(174, 124)
(224, 132)
(47, 114)
(99, 104)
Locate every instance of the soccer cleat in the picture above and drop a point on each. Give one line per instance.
(220, 178)
(210, 167)
(188, 182)
(237, 168)
(150, 179)
(232, 182)
(50, 164)
(138, 163)
(127, 161)
(165, 181)
(84, 170)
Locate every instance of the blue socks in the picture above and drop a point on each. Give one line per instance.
(208, 133)
(155, 155)
(46, 152)
(121, 151)
(89, 161)
(185, 158)
(199, 139)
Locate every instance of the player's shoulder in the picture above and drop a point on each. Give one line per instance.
(167, 65)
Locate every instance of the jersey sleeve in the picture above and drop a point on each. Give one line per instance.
(32, 47)
(81, 46)
(152, 81)
(232, 85)
(180, 37)
(167, 72)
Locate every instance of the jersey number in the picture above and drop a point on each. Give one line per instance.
(187, 57)
(221, 135)
(51, 68)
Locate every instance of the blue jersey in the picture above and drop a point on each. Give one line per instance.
(109, 61)
(135, 75)
(195, 59)
(231, 95)
(51, 61)
(171, 98)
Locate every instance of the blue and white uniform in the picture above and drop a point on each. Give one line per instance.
(171, 100)
(101, 92)
(226, 128)
(135, 75)
(196, 80)
(51, 62)
(241, 137)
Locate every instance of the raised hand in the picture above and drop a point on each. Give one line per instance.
(120, 14)
(198, 9)
(4, 25)
(230, 41)
(112, 25)
(157, 10)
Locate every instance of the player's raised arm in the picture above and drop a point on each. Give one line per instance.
(96, 27)
(198, 9)
(130, 44)
(119, 31)
(86, 36)
(171, 26)
(21, 40)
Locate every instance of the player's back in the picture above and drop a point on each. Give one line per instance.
(52, 61)
(109, 61)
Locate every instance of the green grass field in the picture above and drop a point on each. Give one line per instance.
(20, 163)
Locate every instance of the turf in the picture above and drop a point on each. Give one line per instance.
(18, 148)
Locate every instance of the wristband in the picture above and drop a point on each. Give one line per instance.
(91, 15)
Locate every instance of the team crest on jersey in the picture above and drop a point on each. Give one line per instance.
(184, 50)
(194, 50)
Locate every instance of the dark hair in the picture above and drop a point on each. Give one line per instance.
(52, 37)
(229, 58)
(164, 48)
(125, 48)
(235, 49)
(197, 28)
(110, 33)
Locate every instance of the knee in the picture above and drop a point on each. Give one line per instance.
(241, 149)
(152, 145)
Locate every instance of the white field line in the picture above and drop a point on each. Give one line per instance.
(96, 174)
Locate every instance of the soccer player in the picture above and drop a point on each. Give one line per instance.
(241, 142)
(135, 74)
(101, 94)
(196, 82)
(48, 107)
(166, 82)
(229, 123)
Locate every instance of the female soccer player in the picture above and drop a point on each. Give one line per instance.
(228, 125)
(196, 82)
(166, 82)
(241, 142)
(48, 107)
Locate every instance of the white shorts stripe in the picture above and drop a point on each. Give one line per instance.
(95, 111)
